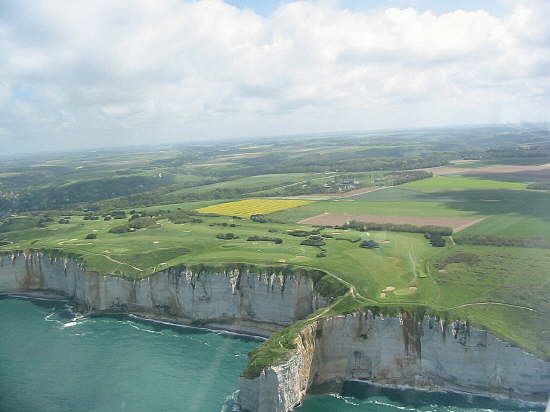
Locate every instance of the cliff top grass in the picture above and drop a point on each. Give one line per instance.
(502, 289)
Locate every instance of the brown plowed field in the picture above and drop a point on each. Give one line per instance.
(445, 170)
(330, 219)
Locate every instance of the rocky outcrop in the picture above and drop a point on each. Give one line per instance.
(421, 353)
(235, 299)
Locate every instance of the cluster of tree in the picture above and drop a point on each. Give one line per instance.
(369, 244)
(435, 239)
(275, 240)
(259, 218)
(117, 214)
(224, 224)
(366, 226)
(314, 240)
(303, 233)
(59, 197)
(134, 223)
(399, 178)
(64, 221)
(141, 222)
(539, 186)
(490, 240)
(534, 151)
(120, 229)
(227, 236)
(14, 224)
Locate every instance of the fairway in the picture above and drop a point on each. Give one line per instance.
(250, 207)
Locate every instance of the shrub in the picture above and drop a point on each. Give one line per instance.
(227, 236)
(299, 233)
(435, 239)
(369, 244)
(64, 221)
(313, 241)
(91, 236)
(107, 218)
(363, 227)
(275, 240)
(119, 229)
(118, 214)
(141, 222)
(259, 218)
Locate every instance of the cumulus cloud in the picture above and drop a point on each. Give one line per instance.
(81, 73)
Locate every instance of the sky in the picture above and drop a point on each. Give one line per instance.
(78, 74)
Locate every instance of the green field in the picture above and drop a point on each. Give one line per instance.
(504, 289)
(403, 271)
(423, 209)
(461, 183)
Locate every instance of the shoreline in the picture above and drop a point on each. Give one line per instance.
(248, 332)
(499, 398)
(259, 335)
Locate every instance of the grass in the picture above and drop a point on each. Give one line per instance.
(421, 209)
(252, 182)
(250, 207)
(513, 276)
(461, 183)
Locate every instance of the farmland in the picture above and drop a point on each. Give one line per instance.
(195, 205)
(457, 224)
(462, 183)
(250, 207)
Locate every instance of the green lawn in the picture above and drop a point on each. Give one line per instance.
(403, 271)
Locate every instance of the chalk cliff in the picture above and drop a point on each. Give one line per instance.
(240, 299)
(409, 350)
(418, 352)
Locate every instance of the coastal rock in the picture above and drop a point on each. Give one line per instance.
(397, 351)
(229, 298)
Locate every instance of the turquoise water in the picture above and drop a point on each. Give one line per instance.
(49, 363)
(360, 397)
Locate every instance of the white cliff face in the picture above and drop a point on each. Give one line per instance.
(421, 353)
(232, 298)
(398, 351)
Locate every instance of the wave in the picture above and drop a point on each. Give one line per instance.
(201, 328)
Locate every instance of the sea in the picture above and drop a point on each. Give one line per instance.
(52, 361)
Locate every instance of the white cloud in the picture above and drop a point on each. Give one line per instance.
(136, 70)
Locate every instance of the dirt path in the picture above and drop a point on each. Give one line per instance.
(357, 192)
(111, 259)
(466, 225)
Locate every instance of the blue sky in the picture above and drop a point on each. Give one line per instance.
(496, 7)
(103, 72)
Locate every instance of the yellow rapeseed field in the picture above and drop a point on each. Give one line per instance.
(249, 207)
